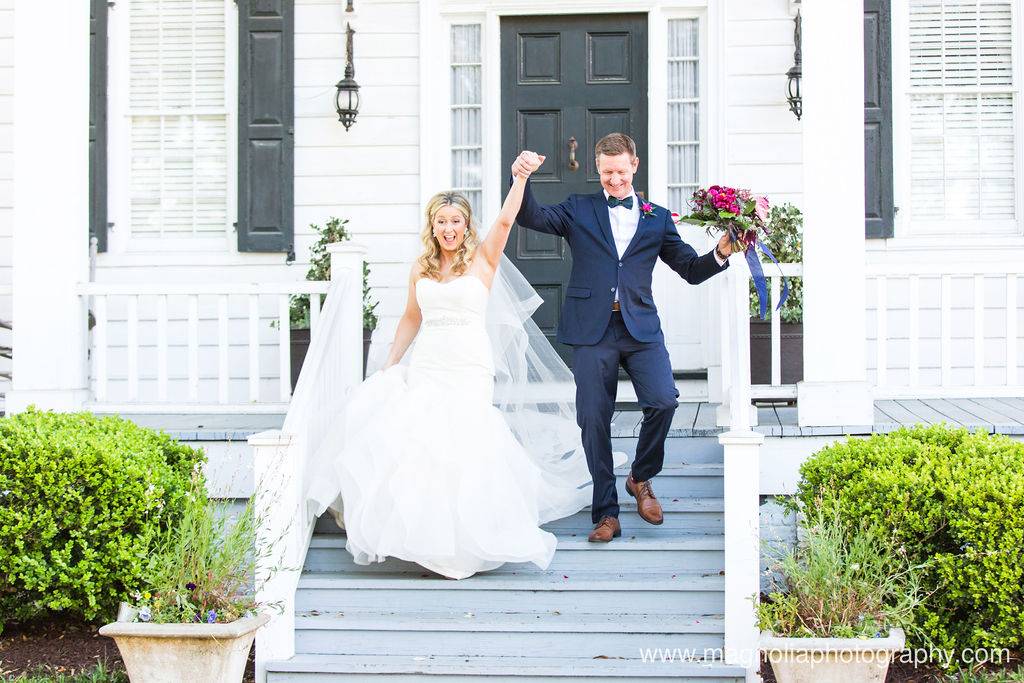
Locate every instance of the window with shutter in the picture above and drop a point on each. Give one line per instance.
(178, 118)
(961, 101)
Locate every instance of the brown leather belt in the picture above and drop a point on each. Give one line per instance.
(615, 305)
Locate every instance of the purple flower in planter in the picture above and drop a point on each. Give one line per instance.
(211, 616)
(197, 617)
(145, 614)
(190, 586)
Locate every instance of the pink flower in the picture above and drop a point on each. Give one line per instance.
(761, 208)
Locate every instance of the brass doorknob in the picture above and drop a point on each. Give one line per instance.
(573, 164)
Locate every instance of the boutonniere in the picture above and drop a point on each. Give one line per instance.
(646, 208)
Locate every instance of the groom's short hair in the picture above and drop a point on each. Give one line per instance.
(614, 144)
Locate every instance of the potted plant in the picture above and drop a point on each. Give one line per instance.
(840, 603)
(334, 230)
(194, 617)
(784, 239)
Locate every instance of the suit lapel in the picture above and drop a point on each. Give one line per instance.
(601, 211)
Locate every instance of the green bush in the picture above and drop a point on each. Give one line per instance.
(82, 499)
(953, 499)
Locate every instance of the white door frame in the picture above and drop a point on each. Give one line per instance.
(436, 18)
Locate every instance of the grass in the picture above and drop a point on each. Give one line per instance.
(1016, 676)
(100, 674)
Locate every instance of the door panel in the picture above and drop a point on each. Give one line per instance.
(567, 78)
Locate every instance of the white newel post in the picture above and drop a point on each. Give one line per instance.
(50, 246)
(278, 536)
(834, 390)
(741, 474)
(742, 458)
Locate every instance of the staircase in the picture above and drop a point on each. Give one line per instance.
(589, 615)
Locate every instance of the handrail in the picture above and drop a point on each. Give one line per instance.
(282, 458)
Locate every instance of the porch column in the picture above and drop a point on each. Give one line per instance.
(50, 249)
(834, 390)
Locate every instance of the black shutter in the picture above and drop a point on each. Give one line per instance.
(878, 192)
(98, 122)
(265, 125)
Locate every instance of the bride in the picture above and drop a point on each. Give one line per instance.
(455, 453)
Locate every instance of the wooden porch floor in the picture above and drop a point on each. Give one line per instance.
(994, 415)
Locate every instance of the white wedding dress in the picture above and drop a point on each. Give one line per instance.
(429, 470)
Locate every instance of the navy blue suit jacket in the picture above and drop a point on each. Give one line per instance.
(597, 270)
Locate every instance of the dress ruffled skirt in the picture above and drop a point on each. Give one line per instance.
(430, 472)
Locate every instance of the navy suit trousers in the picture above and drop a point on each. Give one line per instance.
(596, 369)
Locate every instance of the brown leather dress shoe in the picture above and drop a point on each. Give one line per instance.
(647, 506)
(607, 529)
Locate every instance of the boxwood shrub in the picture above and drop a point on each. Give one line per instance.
(950, 496)
(81, 499)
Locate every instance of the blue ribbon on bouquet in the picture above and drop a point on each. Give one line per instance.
(760, 282)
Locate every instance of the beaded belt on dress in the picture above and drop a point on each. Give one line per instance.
(449, 321)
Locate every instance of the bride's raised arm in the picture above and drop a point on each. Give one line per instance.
(494, 244)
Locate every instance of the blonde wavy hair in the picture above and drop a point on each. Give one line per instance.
(430, 260)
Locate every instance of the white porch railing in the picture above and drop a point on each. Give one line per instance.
(944, 330)
(231, 377)
(332, 367)
(741, 471)
(776, 389)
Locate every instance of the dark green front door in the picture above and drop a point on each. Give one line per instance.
(567, 81)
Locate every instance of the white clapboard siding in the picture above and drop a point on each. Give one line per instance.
(6, 174)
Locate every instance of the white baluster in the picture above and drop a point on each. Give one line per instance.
(284, 347)
(193, 348)
(99, 335)
(222, 349)
(161, 347)
(133, 347)
(944, 343)
(314, 314)
(979, 329)
(882, 333)
(915, 322)
(776, 331)
(1011, 329)
(254, 348)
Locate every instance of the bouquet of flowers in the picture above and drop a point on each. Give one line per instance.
(744, 216)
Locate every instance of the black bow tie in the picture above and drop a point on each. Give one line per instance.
(615, 201)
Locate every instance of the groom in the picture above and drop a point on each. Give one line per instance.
(609, 317)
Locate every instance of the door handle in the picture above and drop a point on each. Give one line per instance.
(573, 164)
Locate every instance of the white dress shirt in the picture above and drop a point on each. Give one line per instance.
(624, 223)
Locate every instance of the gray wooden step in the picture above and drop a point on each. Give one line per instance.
(682, 514)
(683, 591)
(437, 669)
(542, 634)
(693, 551)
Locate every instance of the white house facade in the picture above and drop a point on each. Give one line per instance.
(147, 260)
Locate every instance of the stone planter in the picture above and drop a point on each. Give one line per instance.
(831, 660)
(199, 653)
(300, 345)
(761, 352)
